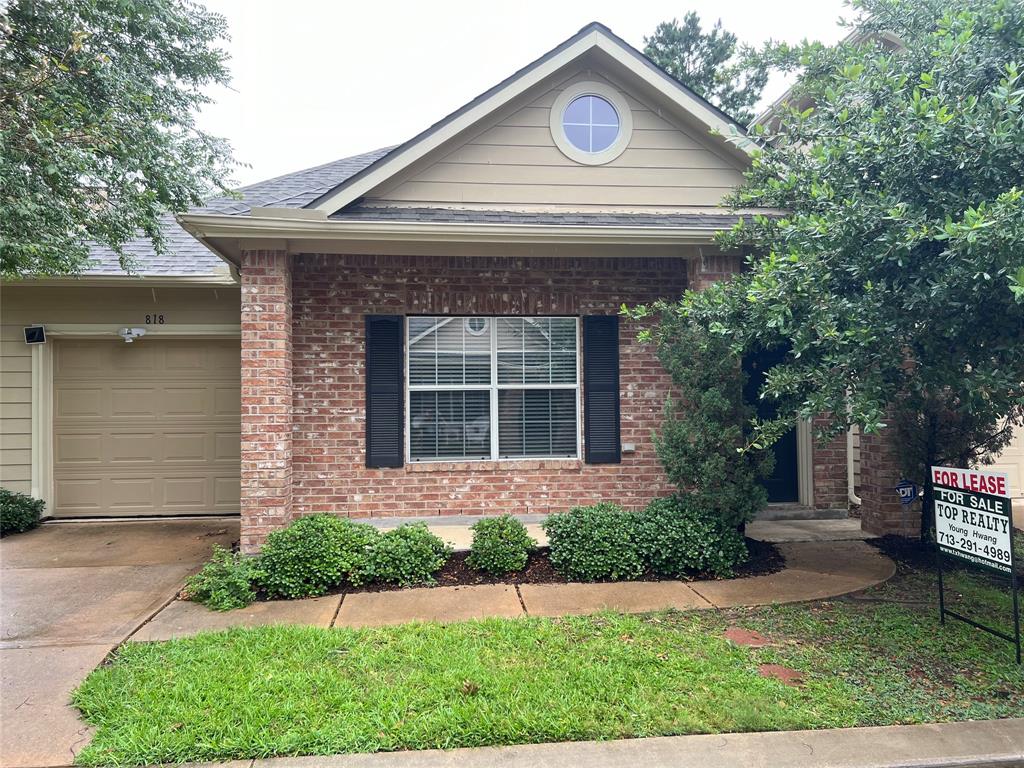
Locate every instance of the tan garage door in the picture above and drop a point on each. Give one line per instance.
(148, 428)
(1011, 461)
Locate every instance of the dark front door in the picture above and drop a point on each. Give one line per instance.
(782, 485)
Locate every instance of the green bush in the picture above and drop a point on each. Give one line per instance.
(224, 583)
(18, 512)
(407, 555)
(314, 554)
(679, 535)
(596, 542)
(500, 545)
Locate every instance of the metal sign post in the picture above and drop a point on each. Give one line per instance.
(974, 524)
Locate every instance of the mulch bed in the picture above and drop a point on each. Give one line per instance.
(764, 559)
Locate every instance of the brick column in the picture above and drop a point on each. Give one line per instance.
(880, 510)
(266, 395)
(831, 490)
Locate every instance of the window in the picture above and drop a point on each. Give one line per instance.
(492, 388)
(591, 123)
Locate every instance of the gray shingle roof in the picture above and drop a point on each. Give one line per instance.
(187, 257)
(566, 218)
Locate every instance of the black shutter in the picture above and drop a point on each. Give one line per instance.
(385, 418)
(601, 389)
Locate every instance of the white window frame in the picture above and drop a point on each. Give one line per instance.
(494, 387)
(609, 94)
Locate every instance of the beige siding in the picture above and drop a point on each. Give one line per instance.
(514, 162)
(81, 304)
(15, 410)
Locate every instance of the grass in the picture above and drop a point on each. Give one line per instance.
(880, 659)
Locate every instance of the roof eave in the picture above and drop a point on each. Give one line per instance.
(213, 230)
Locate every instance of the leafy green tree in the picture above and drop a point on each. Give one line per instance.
(709, 64)
(97, 124)
(896, 275)
(706, 424)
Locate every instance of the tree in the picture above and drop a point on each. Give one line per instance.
(707, 425)
(708, 63)
(896, 275)
(97, 124)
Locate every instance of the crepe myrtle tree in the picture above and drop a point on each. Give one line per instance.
(98, 137)
(895, 274)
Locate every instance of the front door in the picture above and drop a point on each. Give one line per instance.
(782, 485)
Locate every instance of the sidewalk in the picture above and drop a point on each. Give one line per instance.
(814, 570)
(984, 744)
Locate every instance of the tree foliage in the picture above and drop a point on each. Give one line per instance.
(709, 64)
(896, 273)
(708, 423)
(97, 124)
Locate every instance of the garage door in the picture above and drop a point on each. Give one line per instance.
(1011, 461)
(148, 428)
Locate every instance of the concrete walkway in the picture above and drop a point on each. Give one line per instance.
(69, 593)
(814, 570)
(983, 744)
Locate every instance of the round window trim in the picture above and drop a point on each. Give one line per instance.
(613, 97)
(476, 326)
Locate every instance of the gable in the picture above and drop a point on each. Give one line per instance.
(664, 107)
(513, 161)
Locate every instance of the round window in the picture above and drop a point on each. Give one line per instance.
(591, 123)
(476, 325)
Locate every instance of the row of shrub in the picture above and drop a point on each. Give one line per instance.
(671, 537)
(319, 553)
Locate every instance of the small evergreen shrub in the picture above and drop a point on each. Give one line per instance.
(596, 542)
(407, 555)
(680, 535)
(314, 554)
(224, 583)
(19, 512)
(500, 545)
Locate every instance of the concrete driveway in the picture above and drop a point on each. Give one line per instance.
(69, 593)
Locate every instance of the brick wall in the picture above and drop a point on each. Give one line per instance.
(303, 385)
(266, 440)
(881, 512)
(831, 489)
(331, 296)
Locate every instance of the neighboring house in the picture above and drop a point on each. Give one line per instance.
(429, 329)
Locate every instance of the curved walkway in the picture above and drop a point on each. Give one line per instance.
(814, 570)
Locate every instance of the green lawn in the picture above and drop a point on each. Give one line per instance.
(290, 691)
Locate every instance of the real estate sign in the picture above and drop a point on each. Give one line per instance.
(973, 519)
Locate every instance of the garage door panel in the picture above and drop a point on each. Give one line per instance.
(188, 447)
(146, 434)
(76, 402)
(131, 448)
(227, 401)
(86, 448)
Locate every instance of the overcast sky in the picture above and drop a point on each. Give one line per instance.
(317, 80)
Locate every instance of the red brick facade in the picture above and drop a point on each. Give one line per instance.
(304, 389)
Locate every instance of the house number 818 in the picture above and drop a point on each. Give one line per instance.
(154, 319)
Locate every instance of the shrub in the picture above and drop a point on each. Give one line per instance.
(224, 583)
(407, 555)
(500, 545)
(596, 542)
(18, 512)
(313, 555)
(680, 535)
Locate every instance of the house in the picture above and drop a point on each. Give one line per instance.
(428, 329)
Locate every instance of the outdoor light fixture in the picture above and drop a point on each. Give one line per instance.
(35, 334)
(131, 334)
